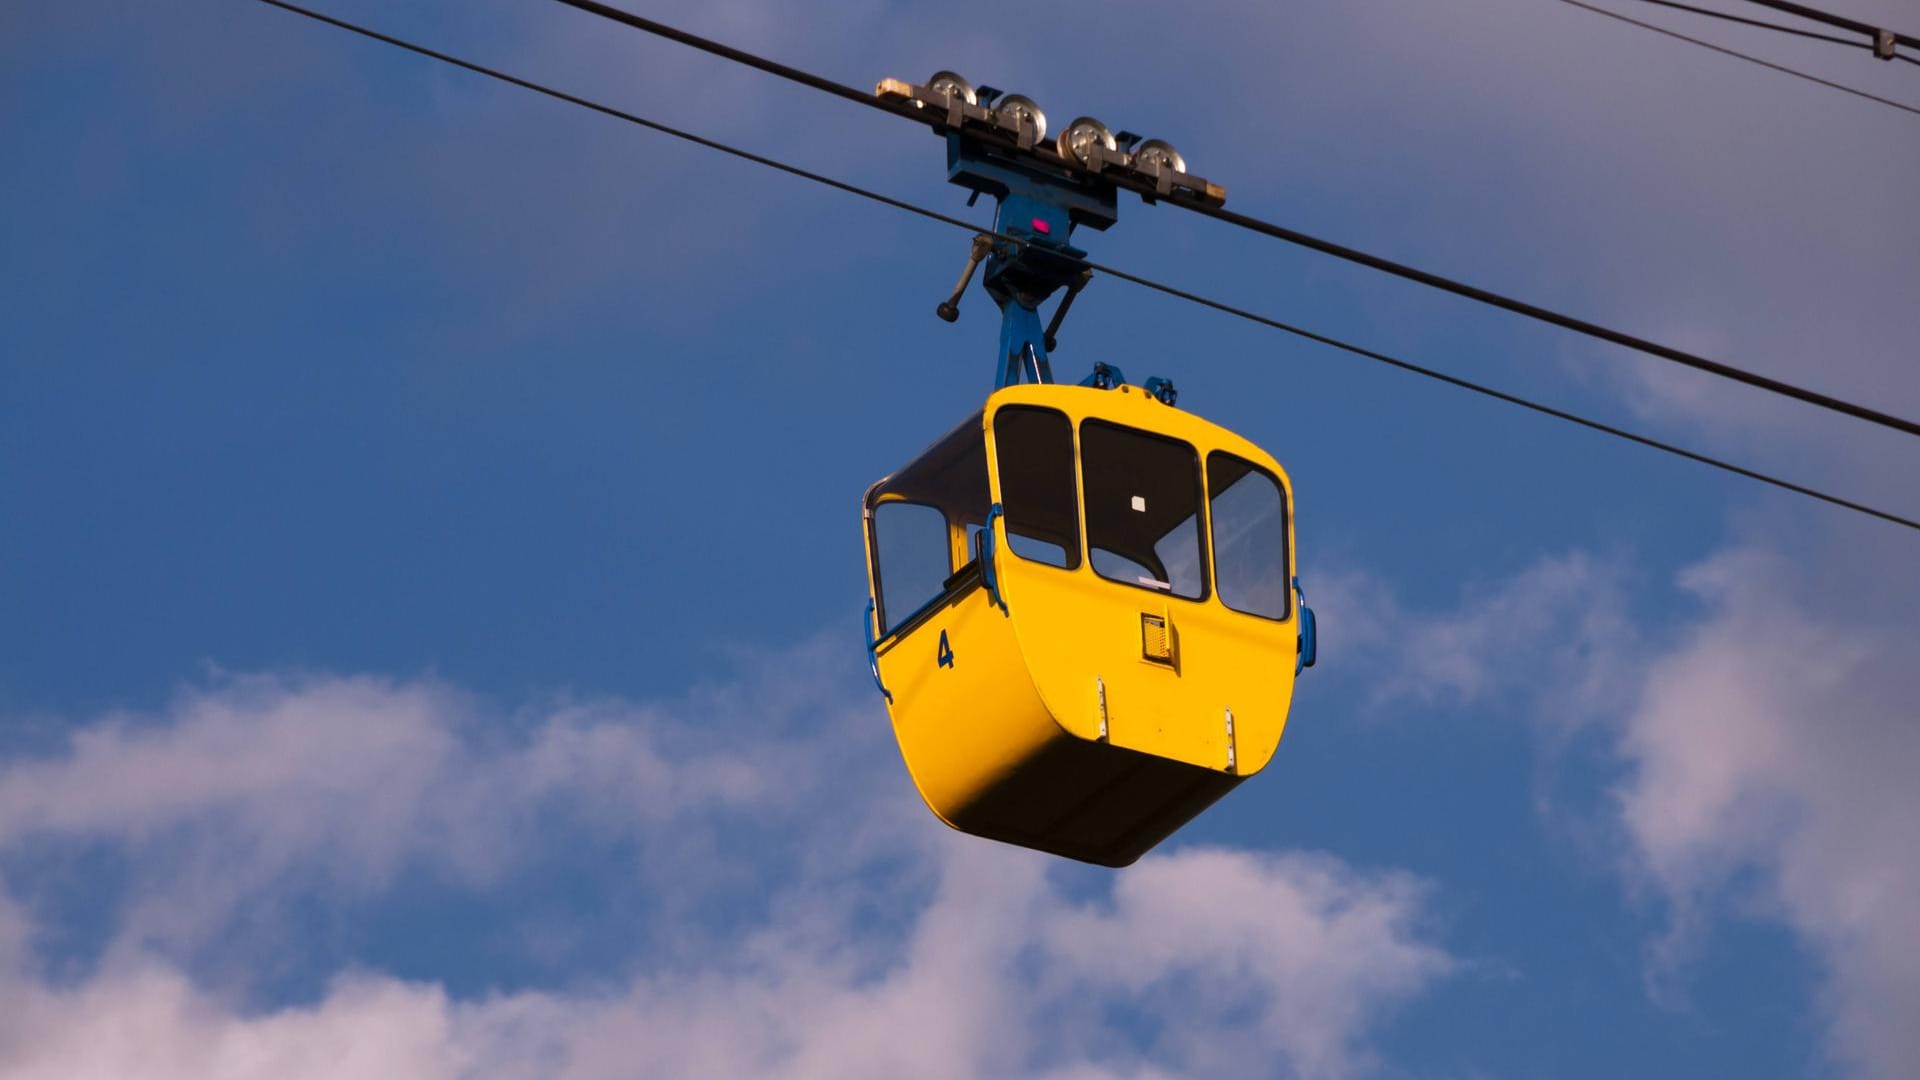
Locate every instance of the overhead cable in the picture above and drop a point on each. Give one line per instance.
(1124, 275)
(1728, 16)
(1748, 57)
(1877, 33)
(1295, 236)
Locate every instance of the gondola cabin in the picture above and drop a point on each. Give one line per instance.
(1082, 617)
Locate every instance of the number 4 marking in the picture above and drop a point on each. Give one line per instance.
(946, 651)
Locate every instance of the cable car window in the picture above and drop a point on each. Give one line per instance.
(1143, 509)
(1249, 513)
(911, 559)
(1035, 448)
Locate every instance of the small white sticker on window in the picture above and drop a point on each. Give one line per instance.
(1140, 503)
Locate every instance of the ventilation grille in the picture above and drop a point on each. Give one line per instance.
(1156, 644)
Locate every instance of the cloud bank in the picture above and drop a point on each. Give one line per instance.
(861, 940)
(808, 919)
(1764, 746)
(1780, 740)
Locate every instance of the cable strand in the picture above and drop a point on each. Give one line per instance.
(1314, 243)
(1840, 21)
(1744, 21)
(1843, 88)
(1116, 272)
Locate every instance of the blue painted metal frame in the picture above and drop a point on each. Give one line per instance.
(1037, 206)
(988, 548)
(873, 655)
(1036, 209)
(1307, 643)
(1105, 376)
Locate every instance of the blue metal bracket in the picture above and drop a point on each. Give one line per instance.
(1029, 254)
(987, 551)
(1307, 641)
(1105, 377)
(873, 654)
(1040, 197)
(1036, 209)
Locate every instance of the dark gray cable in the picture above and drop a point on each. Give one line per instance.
(935, 215)
(1844, 23)
(1294, 236)
(1843, 88)
(1761, 23)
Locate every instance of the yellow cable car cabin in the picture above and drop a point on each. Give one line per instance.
(1083, 617)
(1081, 602)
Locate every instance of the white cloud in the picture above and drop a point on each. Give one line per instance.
(152, 1023)
(1769, 746)
(1275, 965)
(1271, 966)
(888, 946)
(1557, 629)
(266, 787)
(1782, 740)
(15, 933)
(1302, 943)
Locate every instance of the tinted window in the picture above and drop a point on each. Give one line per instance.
(911, 557)
(1035, 448)
(1143, 509)
(1249, 514)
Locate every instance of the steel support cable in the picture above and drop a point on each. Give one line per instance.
(1855, 25)
(741, 56)
(1840, 21)
(1842, 87)
(1761, 23)
(1794, 30)
(1123, 275)
(1314, 243)
(1785, 29)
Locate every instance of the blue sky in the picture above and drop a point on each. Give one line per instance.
(429, 555)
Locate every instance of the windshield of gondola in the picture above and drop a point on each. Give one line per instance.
(1143, 509)
(910, 549)
(1035, 451)
(1249, 514)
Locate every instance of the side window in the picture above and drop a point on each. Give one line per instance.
(1143, 509)
(910, 558)
(1035, 448)
(1249, 513)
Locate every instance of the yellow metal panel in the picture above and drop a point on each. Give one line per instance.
(965, 724)
(1078, 630)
